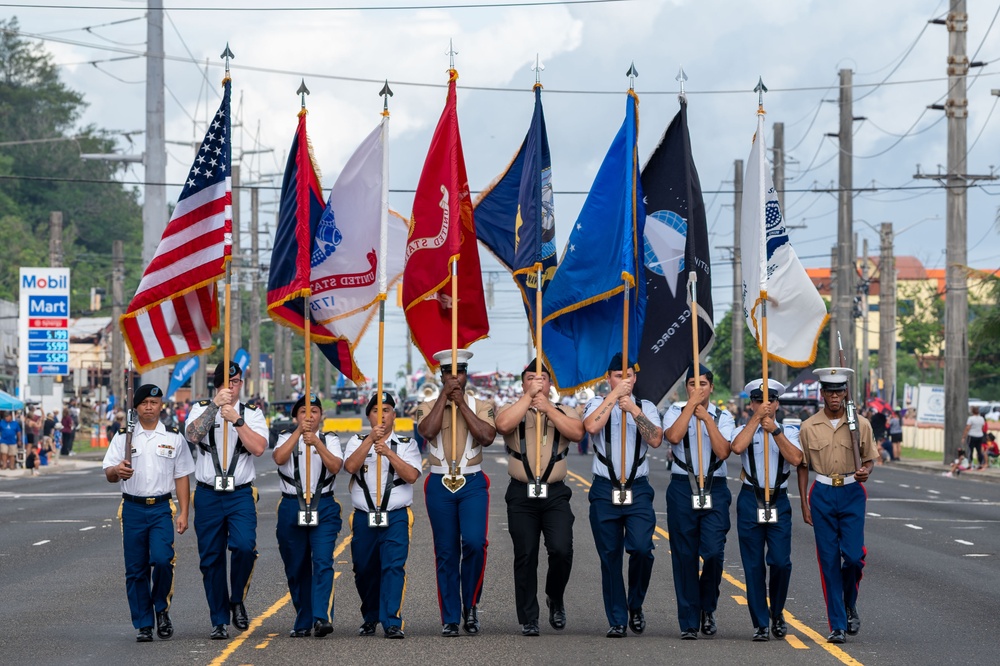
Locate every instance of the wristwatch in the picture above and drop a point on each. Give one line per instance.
(239, 423)
(776, 430)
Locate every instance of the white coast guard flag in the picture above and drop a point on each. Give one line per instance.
(796, 313)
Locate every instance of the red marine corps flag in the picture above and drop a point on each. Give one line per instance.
(442, 246)
(175, 309)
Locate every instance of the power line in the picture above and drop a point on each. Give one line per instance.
(368, 8)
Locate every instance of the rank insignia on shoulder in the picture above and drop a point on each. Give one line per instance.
(174, 429)
(491, 413)
(403, 440)
(251, 405)
(284, 432)
(204, 403)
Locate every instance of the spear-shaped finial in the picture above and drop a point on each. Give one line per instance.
(538, 68)
(227, 55)
(385, 94)
(631, 74)
(760, 90)
(681, 77)
(451, 53)
(302, 92)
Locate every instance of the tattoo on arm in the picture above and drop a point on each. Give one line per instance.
(607, 406)
(645, 427)
(197, 430)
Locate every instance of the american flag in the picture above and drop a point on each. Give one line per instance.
(175, 308)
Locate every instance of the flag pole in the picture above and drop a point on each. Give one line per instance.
(538, 373)
(693, 287)
(385, 93)
(226, 55)
(454, 365)
(307, 340)
(762, 252)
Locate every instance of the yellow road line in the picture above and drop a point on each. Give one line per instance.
(794, 641)
(838, 653)
(259, 620)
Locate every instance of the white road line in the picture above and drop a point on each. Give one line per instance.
(966, 497)
(57, 521)
(903, 485)
(977, 555)
(92, 527)
(878, 480)
(964, 543)
(914, 527)
(945, 520)
(41, 543)
(926, 501)
(874, 515)
(9, 495)
(933, 492)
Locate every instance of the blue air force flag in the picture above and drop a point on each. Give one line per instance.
(796, 312)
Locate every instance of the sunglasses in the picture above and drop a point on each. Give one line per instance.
(758, 396)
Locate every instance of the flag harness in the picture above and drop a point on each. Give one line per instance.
(308, 512)
(765, 514)
(376, 513)
(699, 500)
(225, 481)
(538, 490)
(622, 494)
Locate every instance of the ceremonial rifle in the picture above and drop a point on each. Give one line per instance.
(852, 417)
(129, 415)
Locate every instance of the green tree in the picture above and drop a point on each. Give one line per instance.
(41, 171)
(984, 343)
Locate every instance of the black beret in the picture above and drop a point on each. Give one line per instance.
(386, 400)
(146, 391)
(616, 363)
(531, 368)
(233, 371)
(301, 402)
(702, 370)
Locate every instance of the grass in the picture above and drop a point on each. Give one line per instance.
(910, 453)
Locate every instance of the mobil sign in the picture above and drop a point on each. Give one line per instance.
(43, 315)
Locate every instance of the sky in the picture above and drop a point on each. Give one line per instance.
(344, 49)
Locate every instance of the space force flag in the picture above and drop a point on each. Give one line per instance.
(515, 216)
(676, 243)
(796, 312)
(584, 303)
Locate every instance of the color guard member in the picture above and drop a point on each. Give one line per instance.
(835, 504)
(542, 508)
(161, 462)
(307, 531)
(225, 501)
(381, 525)
(457, 493)
(773, 527)
(622, 515)
(698, 518)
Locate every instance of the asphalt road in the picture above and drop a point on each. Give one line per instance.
(929, 593)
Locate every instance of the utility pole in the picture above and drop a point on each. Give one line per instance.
(779, 370)
(117, 304)
(154, 205)
(236, 302)
(956, 180)
(737, 372)
(887, 315)
(55, 239)
(865, 352)
(844, 299)
(254, 273)
(834, 355)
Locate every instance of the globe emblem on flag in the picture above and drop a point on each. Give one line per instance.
(328, 237)
(664, 242)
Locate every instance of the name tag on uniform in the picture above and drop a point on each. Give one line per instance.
(767, 515)
(701, 501)
(308, 518)
(621, 497)
(378, 519)
(165, 450)
(538, 490)
(226, 483)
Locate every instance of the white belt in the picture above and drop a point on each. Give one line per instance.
(469, 469)
(835, 479)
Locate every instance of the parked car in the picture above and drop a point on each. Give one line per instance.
(346, 399)
(280, 421)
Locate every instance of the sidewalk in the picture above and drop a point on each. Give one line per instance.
(87, 459)
(990, 474)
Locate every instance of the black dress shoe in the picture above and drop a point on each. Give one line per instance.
(450, 630)
(761, 634)
(240, 620)
(853, 621)
(164, 628)
(557, 614)
(778, 626)
(636, 621)
(394, 632)
(471, 624)
(689, 635)
(144, 635)
(219, 633)
(530, 628)
(617, 631)
(837, 636)
(299, 633)
(367, 629)
(321, 628)
(708, 624)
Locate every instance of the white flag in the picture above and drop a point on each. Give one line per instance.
(796, 313)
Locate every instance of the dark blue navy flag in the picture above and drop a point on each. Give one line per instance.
(584, 304)
(515, 216)
(676, 243)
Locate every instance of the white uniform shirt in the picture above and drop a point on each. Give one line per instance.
(401, 495)
(726, 423)
(245, 471)
(159, 456)
(315, 463)
(756, 448)
(600, 446)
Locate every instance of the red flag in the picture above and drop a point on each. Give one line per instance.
(175, 309)
(442, 231)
